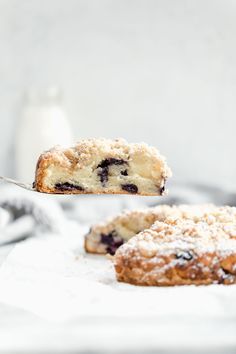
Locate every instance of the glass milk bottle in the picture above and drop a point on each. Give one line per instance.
(42, 125)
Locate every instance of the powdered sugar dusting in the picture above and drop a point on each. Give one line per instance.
(201, 248)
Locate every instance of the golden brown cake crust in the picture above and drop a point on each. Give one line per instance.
(179, 252)
(40, 173)
(69, 166)
(190, 273)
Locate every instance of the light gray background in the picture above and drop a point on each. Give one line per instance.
(160, 71)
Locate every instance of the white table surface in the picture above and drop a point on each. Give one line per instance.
(23, 332)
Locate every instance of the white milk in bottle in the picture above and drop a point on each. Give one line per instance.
(42, 125)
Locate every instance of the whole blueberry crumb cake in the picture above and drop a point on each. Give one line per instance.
(179, 251)
(107, 236)
(102, 166)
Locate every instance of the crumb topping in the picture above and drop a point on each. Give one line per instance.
(178, 250)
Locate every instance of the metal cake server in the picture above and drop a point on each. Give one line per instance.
(26, 186)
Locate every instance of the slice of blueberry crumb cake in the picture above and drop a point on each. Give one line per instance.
(97, 166)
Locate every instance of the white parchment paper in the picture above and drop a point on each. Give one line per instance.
(52, 277)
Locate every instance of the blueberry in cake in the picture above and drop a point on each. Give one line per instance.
(179, 252)
(102, 166)
(107, 236)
